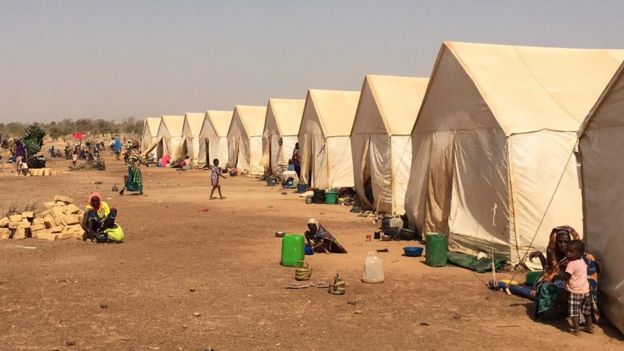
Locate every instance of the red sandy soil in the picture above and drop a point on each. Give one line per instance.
(223, 264)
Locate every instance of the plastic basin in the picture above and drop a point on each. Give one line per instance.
(308, 250)
(413, 251)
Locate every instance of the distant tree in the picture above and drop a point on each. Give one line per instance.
(15, 129)
(84, 125)
(103, 127)
(54, 131)
(131, 125)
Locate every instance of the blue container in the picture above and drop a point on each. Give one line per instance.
(413, 251)
(308, 250)
(302, 187)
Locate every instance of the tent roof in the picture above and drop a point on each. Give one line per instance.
(398, 100)
(535, 88)
(335, 110)
(152, 124)
(195, 122)
(174, 124)
(287, 114)
(220, 121)
(252, 118)
(608, 109)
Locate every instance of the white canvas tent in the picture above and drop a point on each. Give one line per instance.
(380, 139)
(245, 139)
(493, 146)
(171, 132)
(150, 134)
(281, 129)
(324, 141)
(193, 126)
(213, 137)
(602, 164)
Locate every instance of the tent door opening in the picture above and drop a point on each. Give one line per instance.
(207, 148)
(160, 150)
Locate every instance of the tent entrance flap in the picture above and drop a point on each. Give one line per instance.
(439, 183)
(156, 145)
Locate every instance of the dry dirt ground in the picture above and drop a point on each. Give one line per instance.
(223, 264)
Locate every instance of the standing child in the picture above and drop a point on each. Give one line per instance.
(215, 174)
(576, 284)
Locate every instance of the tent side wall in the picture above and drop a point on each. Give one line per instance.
(601, 146)
(603, 171)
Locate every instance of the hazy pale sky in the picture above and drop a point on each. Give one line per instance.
(112, 59)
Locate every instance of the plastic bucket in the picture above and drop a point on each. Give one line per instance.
(331, 198)
(319, 196)
(302, 187)
(436, 246)
(293, 250)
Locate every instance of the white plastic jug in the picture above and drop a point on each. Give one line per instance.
(373, 269)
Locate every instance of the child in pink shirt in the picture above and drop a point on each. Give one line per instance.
(577, 286)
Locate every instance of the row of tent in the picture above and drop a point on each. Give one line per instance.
(487, 150)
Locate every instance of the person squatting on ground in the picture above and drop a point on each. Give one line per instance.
(321, 240)
(574, 281)
(99, 221)
(215, 174)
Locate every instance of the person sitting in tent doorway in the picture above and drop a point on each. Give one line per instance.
(99, 221)
(215, 174)
(321, 240)
(550, 299)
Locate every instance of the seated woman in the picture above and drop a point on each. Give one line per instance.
(321, 239)
(134, 180)
(99, 221)
(550, 299)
